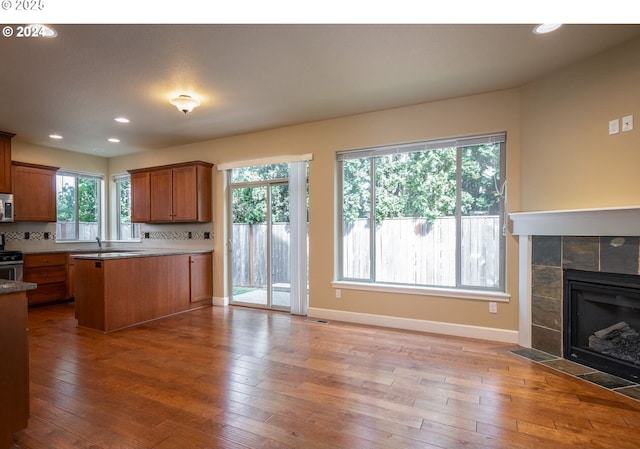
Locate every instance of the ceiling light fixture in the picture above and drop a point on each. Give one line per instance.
(55, 136)
(545, 28)
(113, 140)
(185, 103)
(121, 120)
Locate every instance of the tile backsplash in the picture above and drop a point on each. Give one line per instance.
(42, 236)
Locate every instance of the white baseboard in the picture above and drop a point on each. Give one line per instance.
(222, 302)
(458, 330)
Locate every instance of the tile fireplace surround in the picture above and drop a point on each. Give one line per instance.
(588, 239)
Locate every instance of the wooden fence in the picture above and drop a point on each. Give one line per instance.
(408, 251)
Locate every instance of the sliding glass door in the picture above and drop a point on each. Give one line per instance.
(260, 239)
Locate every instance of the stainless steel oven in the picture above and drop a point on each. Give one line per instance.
(11, 265)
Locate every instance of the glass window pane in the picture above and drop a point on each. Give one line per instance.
(356, 219)
(437, 215)
(415, 198)
(480, 207)
(78, 206)
(66, 208)
(88, 206)
(249, 258)
(260, 173)
(125, 227)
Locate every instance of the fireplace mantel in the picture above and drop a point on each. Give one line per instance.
(579, 222)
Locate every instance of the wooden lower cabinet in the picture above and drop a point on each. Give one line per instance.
(114, 293)
(200, 277)
(49, 271)
(14, 367)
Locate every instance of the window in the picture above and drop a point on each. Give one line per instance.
(78, 205)
(126, 230)
(424, 214)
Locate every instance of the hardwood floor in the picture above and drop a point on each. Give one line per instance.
(242, 378)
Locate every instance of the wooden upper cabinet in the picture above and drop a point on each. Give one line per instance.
(185, 185)
(5, 162)
(34, 192)
(176, 193)
(141, 197)
(162, 195)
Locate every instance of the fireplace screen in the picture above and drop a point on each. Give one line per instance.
(602, 321)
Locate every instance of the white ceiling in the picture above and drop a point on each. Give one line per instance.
(256, 77)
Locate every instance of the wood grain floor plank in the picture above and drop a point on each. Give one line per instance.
(237, 378)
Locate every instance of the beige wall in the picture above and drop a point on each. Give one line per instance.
(569, 160)
(553, 125)
(498, 111)
(68, 160)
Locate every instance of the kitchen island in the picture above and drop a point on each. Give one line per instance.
(115, 290)
(14, 360)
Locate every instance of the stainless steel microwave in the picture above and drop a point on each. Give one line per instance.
(6, 207)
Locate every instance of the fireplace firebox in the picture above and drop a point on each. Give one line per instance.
(602, 321)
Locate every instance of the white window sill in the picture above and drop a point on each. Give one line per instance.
(480, 295)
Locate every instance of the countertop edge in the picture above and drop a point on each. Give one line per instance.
(123, 254)
(7, 286)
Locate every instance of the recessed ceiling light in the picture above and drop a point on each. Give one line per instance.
(113, 140)
(545, 28)
(121, 120)
(55, 136)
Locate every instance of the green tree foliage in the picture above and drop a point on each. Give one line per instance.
(249, 204)
(87, 198)
(422, 184)
(66, 204)
(125, 202)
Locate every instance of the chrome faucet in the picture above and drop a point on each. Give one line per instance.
(99, 242)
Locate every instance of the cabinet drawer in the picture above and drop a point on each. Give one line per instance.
(47, 293)
(44, 260)
(45, 275)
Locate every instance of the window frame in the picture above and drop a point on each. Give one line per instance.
(99, 206)
(459, 290)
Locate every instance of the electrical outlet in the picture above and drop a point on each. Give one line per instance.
(627, 123)
(493, 307)
(338, 293)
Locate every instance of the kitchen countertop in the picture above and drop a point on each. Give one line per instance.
(124, 254)
(111, 249)
(15, 286)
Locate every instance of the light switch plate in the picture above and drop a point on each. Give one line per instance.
(614, 126)
(627, 123)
